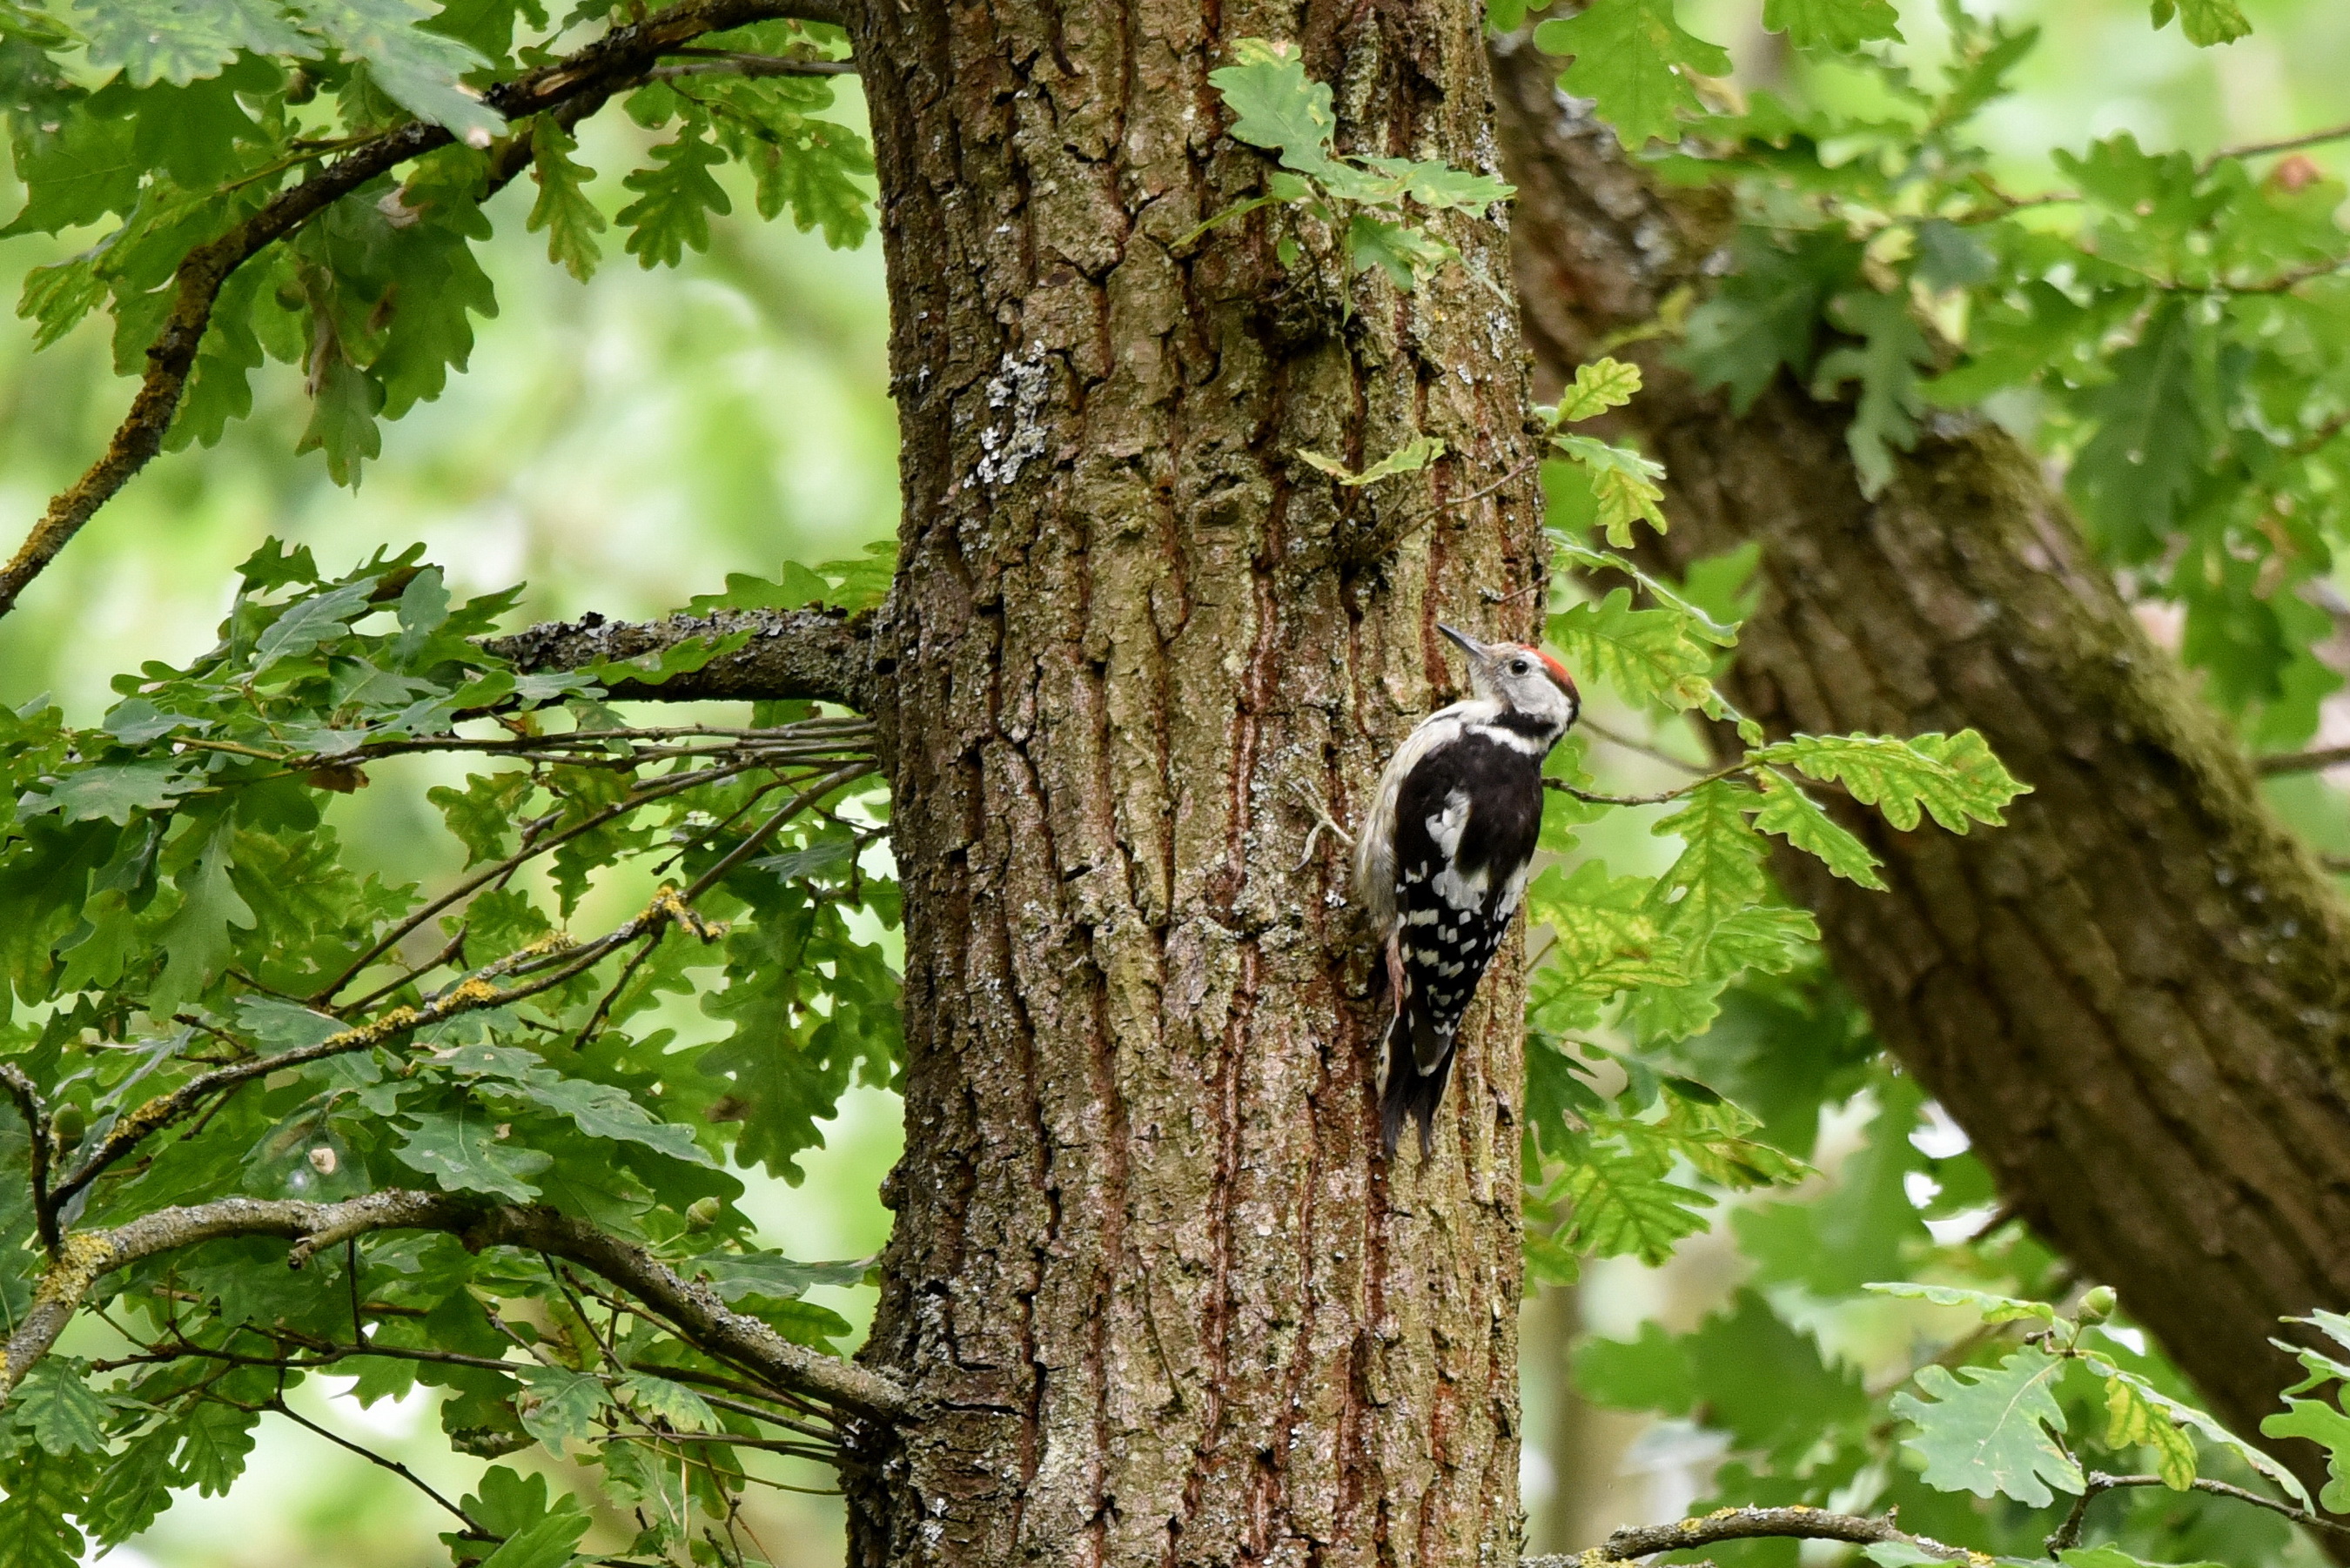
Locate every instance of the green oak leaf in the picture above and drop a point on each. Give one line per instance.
(600, 1110)
(1993, 1430)
(308, 622)
(1649, 655)
(737, 1275)
(58, 1408)
(2151, 442)
(2114, 1557)
(1599, 385)
(1405, 253)
(1888, 363)
(462, 1149)
(1832, 24)
(1625, 483)
(41, 1494)
(675, 198)
(2329, 1428)
(2205, 21)
(179, 41)
(216, 1440)
(656, 1398)
(563, 210)
(76, 171)
(1623, 1204)
(1954, 777)
(1276, 106)
(1991, 1308)
(1633, 59)
(197, 938)
(546, 1544)
(115, 791)
(1803, 821)
(559, 1405)
(420, 69)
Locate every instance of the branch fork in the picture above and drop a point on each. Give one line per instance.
(696, 1312)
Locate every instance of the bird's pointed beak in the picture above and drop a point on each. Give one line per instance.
(1476, 651)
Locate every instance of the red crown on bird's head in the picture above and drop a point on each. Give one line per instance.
(1557, 672)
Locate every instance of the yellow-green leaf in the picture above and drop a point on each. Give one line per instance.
(1409, 458)
(1601, 385)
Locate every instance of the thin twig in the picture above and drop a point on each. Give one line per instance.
(604, 1003)
(453, 951)
(1382, 543)
(394, 1466)
(1662, 797)
(839, 778)
(2308, 762)
(674, 783)
(36, 1112)
(1796, 1523)
(730, 1440)
(2283, 144)
(2068, 1534)
(1625, 743)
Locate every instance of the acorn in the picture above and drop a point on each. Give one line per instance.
(66, 1126)
(2098, 1304)
(701, 1213)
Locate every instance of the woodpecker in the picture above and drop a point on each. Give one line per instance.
(1441, 862)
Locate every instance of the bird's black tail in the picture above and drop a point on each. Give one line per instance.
(1407, 1091)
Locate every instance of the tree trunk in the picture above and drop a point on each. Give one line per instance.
(2133, 998)
(1164, 1300)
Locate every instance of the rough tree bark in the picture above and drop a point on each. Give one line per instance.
(1167, 1303)
(2133, 998)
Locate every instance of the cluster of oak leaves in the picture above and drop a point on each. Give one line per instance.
(174, 899)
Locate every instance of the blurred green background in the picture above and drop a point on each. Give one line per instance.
(624, 444)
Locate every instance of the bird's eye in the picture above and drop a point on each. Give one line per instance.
(1519, 667)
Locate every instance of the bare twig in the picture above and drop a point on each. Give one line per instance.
(371, 1457)
(2068, 1534)
(2284, 144)
(2309, 762)
(839, 778)
(552, 961)
(1797, 1523)
(1661, 797)
(530, 850)
(36, 1112)
(1640, 748)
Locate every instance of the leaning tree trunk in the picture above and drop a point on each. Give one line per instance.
(2133, 998)
(1164, 1300)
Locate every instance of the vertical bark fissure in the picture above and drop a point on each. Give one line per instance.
(1145, 1264)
